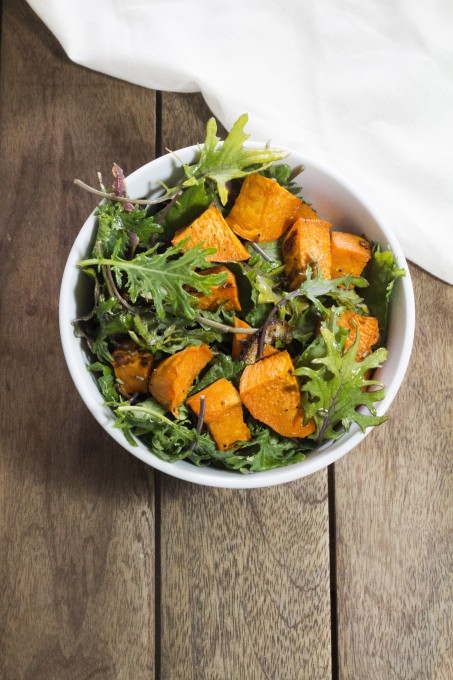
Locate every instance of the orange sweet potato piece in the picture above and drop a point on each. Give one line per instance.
(368, 330)
(226, 294)
(132, 367)
(307, 241)
(239, 340)
(350, 253)
(264, 210)
(306, 211)
(270, 391)
(170, 382)
(223, 413)
(211, 229)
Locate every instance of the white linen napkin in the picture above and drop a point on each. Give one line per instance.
(364, 86)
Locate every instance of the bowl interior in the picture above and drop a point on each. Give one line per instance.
(336, 201)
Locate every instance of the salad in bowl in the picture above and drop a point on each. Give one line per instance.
(229, 318)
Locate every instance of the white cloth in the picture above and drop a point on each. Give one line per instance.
(365, 86)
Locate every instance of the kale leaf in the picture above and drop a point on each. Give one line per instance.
(163, 278)
(115, 225)
(231, 160)
(334, 384)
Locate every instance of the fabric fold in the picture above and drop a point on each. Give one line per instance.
(366, 88)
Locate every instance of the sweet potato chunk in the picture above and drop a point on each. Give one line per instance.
(270, 391)
(264, 210)
(368, 330)
(212, 230)
(170, 382)
(132, 367)
(223, 414)
(306, 211)
(350, 253)
(226, 294)
(240, 340)
(308, 241)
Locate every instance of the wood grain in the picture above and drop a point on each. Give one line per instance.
(245, 583)
(77, 513)
(395, 518)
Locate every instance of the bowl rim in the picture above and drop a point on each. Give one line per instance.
(208, 476)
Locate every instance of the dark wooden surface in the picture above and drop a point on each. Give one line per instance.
(110, 571)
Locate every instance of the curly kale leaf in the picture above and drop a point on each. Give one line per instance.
(115, 225)
(107, 384)
(341, 289)
(231, 160)
(171, 440)
(333, 388)
(163, 278)
(265, 279)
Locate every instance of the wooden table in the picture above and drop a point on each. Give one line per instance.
(110, 570)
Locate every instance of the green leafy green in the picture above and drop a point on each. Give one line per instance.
(264, 279)
(341, 290)
(162, 277)
(381, 272)
(333, 390)
(169, 439)
(107, 383)
(223, 163)
(115, 224)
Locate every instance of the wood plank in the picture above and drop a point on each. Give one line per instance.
(395, 518)
(245, 584)
(77, 512)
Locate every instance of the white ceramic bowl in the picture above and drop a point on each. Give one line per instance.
(336, 201)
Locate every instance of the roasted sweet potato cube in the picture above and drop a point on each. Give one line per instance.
(264, 210)
(226, 294)
(368, 332)
(350, 253)
(212, 231)
(270, 391)
(306, 211)
(132, 367)
(170, 382)
(223, 413)
(307, 242)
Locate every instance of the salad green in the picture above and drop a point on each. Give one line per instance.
(146, 292)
